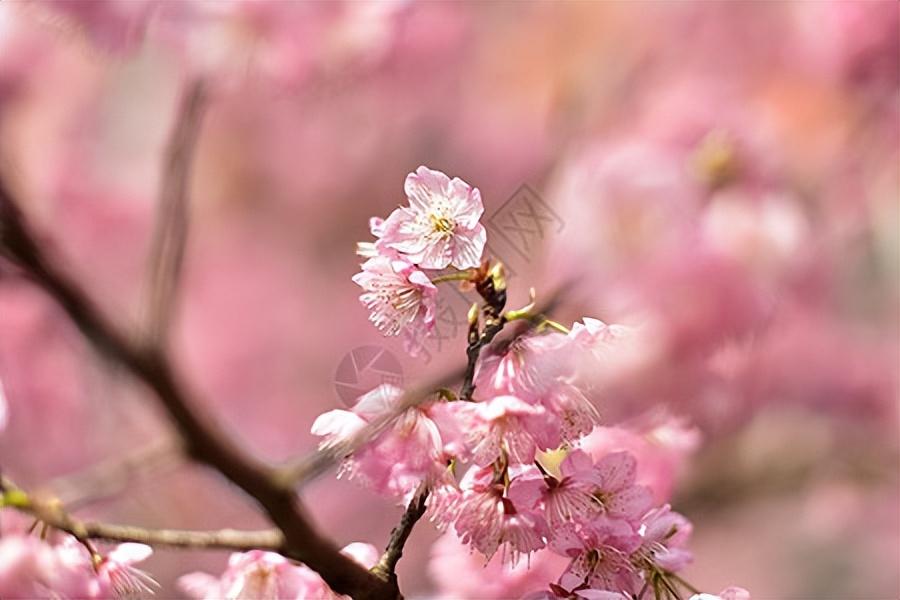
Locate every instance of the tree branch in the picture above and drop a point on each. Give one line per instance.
(170, 235)
(203, 440)
(386, 567)
(53, 514)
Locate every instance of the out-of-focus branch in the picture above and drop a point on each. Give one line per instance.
(52, 513)
(387, 566)
(170, 235)
(110, 476)
(203, 440)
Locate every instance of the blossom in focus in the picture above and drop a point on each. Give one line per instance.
(601, 556)
(568, 498)
(440, 227)
(401, 458)
(400, 298)
(489, 521)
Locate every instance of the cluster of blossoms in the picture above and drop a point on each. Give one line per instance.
(440, 228)
(31, 567)
(528, 486)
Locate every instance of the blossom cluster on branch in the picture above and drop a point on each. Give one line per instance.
(501, 465)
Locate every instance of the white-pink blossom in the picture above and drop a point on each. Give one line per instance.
(488, 521)
(400, 299)
(401, 458)
(567, 499)
(440, 228)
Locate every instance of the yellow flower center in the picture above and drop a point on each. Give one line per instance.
(441, 224)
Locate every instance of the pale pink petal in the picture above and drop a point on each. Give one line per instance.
(468, 246)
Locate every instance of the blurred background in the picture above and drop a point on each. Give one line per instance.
(723, 176)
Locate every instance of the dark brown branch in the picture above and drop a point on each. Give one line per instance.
(203, 440)
(170, 235)
(387, 566)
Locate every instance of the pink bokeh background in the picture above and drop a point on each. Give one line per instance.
(724, 177)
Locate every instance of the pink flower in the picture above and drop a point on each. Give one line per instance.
(489, 521)
(538, 369)
(117, 576)
(503, 424)
(615, 490)
(564, 500)
(440, 228)
(665, 533)
(31, 568)
(600, 555)
(661, 444)
(398, 460)
(259, 575)
(400, 299)
(597, 336)
(496, 580)
(529, 367)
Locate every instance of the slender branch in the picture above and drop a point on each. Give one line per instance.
(387, 565)
(53, 514)
(170, 235)
(203, 440)
(110, 476)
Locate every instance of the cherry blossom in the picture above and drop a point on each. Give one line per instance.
(116, 571)
(614, 476)
(503, 426)
(569, 498)
(400, 298)
(488, 521)
(259, 575)
(402, 457)
(440, 227)
(601, 556)
(665, 533)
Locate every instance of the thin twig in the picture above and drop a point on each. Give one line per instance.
(170, 235)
